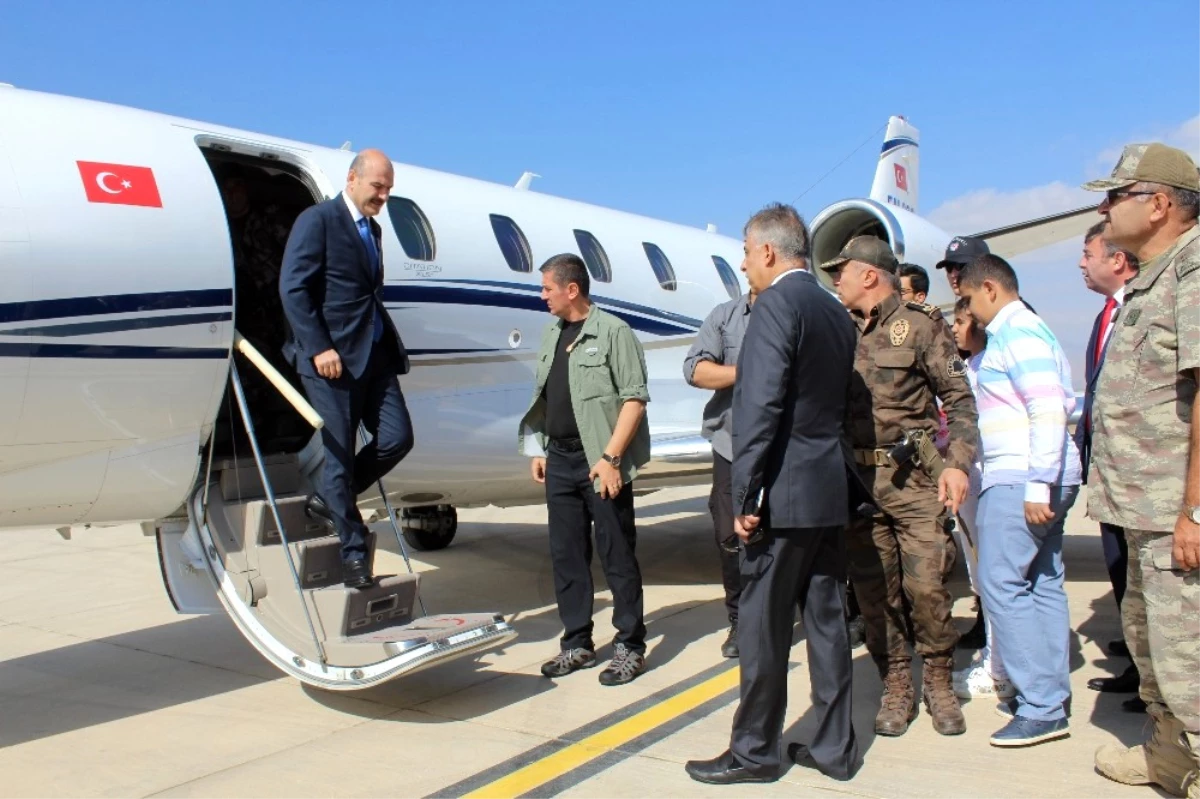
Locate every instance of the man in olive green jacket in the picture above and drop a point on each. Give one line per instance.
(586, 431)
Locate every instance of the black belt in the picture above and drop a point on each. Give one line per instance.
(567, 444)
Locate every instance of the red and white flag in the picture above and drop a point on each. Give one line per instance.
(901, 177)
(119, 184)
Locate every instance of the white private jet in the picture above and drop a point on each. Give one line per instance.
(121, 400)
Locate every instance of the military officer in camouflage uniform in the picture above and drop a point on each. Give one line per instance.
(1146, 455)
(905, 361)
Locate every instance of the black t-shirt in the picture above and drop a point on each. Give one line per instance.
(560, 416)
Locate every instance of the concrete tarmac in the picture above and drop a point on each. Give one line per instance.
(106, 691)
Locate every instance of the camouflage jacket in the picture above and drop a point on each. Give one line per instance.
(1142, 412)
(905, 361)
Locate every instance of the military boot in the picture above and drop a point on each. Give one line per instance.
(898, 706)
(1169, 755)
(938, 693)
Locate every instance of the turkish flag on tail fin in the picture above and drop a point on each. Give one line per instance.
(119, 184)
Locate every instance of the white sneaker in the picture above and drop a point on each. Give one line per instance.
(976, 680)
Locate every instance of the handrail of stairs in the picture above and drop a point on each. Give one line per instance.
(281, 384)
(262, 473)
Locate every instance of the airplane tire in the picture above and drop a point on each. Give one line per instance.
(431, 528)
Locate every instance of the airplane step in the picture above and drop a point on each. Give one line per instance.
(388, 602)
(239, 480)
(318, 563)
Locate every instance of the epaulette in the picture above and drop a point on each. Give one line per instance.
(932, 311)
(1190, 261)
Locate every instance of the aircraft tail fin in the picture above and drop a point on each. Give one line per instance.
(896, 177)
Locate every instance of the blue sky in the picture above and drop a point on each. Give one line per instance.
(698, 112)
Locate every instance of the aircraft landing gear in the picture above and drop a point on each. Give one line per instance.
(430, 527)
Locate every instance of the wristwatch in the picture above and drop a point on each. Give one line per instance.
(613, 460)
(1192, 512)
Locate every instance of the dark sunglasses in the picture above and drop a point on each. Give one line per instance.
(1114, 195)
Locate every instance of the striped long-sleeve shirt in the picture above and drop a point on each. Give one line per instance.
(1025, 398)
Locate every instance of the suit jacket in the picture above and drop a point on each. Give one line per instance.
(1091, 374)
(330, 291)
(789, 404)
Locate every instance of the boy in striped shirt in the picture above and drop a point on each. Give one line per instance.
(1031, 476)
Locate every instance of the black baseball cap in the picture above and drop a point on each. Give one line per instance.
(962, 250)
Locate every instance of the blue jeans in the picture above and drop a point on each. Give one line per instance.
(1021, 577)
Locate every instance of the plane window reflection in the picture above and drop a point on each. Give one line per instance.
(412, 228)
(594, 256)
(661, 265)
(513, 243)
(728, 277)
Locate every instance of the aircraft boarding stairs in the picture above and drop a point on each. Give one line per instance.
(278, 573)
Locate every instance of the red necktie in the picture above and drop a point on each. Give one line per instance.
(1105, 321)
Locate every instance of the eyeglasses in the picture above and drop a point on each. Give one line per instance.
(954, 267)
(906, 292)
(1113, 196)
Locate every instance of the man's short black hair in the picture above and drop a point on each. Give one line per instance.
(568, 268)
(989, 267)
(917, 276)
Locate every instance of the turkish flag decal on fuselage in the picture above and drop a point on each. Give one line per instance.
(119, 184)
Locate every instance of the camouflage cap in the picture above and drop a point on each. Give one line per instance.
(1152, 163)
(869, 250)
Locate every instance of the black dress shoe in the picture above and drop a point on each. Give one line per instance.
(316, 509)
(1126, 683)
(976, 637)
(1118, 648)
(799, 754)
(1134, 705)
(356, 574)
(722, 770)
(729, 649)
(856, 631)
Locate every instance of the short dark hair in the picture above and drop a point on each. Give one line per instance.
(919, 277)
(568, 268)
(989, 267)
(962, 305)
(1096, 231)
(783, 228)
(1187, 200)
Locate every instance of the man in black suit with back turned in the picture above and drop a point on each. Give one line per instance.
(346, 349)
(790, 492)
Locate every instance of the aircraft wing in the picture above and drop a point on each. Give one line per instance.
(1037, 233)
(683, 448)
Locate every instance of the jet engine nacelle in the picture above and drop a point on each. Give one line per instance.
(913, 239)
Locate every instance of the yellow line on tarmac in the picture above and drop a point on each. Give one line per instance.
(572, 757)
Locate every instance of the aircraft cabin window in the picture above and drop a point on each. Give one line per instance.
(412, 228)
(728, 277)
(513, 243)
(661, 265)
(594, 256)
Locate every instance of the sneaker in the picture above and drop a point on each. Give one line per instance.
(976, 680)
(1021, 731)
(569, 660)
(729, 649)
(1007, 710)
(624, 667)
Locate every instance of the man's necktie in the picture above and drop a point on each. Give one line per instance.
(1102, 332)
(364, 232)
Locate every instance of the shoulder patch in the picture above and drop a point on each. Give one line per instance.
(931, 311)
(956, 367)
(898, 332)
(1186, 266)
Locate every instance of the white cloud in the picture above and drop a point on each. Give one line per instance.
(984, 209)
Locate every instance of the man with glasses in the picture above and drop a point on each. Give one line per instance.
(959, 253)
(1145, 465)
(914, 283)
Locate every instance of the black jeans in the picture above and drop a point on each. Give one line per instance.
(574, 506)
(720, 505)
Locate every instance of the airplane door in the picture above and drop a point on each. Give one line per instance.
(15, 277)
